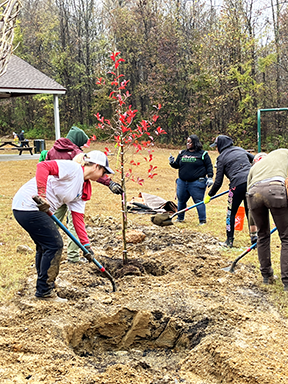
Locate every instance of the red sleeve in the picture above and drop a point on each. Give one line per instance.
(105, 180)
(79, 225)
(44, 169)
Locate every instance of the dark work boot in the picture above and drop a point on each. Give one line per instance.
(269, 280)
(228, 243)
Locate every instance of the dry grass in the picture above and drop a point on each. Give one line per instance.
(14, 266)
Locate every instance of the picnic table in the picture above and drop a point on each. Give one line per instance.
(11, 145)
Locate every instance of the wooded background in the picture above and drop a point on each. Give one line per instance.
(210, 67)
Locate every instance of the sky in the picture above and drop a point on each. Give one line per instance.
(262, 10)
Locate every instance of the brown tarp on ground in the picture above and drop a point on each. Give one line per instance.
(146, 203)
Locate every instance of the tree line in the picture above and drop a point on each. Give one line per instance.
(210, 68)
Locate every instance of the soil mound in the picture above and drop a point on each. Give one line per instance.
(176, 317)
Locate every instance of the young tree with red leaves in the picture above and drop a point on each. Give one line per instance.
(127, 133)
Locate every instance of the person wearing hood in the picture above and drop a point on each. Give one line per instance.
(234, 163)
(195, 174)
(67, 148)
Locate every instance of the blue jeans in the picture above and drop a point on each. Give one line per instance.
(195, 189)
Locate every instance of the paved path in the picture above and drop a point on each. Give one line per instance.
(17, 157)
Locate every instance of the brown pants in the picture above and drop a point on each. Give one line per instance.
(262, 198)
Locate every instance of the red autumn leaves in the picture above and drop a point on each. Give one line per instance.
(126, 131)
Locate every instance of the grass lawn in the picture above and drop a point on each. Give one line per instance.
(14, 266)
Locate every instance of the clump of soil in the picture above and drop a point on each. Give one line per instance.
(176, 317)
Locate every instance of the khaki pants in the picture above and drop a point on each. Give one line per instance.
(263, 198)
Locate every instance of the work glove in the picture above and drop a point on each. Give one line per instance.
(89, 256)
(42, 204)
(171, 159)
(254, 240)
(209, 182)
(115, 188)
(207, 199)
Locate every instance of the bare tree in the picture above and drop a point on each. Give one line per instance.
(9, 10)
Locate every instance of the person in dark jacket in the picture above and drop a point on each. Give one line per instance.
(67, 149)
(22, 141)
(234, 163)
(194, 166)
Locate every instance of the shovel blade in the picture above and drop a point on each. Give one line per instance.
(165, 223)
(228, 269)
(162, 219)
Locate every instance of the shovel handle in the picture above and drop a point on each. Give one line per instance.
(240, 257)
(38, 200)
(196, 205)
(245, 253)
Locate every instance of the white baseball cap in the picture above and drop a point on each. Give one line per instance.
(99, 158)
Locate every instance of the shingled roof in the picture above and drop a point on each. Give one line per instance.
(21, 79)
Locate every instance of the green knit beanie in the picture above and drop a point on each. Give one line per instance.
(43, 155)
(77, 136)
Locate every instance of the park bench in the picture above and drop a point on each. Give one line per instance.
(12, 147)
(21, 149)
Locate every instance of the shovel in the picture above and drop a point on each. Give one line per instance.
(231, 269)
(163, 219)
(38, 200)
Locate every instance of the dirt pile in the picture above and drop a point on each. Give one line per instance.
(176, 317)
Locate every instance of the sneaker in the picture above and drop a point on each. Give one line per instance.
(202, 222)
(179, 220)
(269, 280)
(52, 297)
(227, 244)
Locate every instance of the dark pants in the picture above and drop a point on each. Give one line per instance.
(195, 189)
(49, 245)
(235, 197)
(262, 198)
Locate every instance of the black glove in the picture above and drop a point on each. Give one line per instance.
(115, 188)
(254, 240)
(89, 256)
